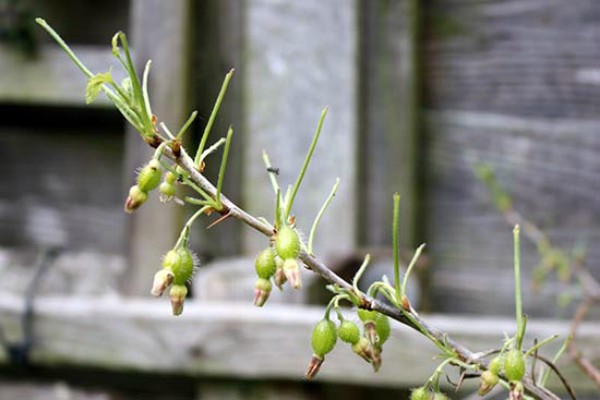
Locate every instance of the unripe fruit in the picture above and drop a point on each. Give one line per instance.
(262, 290)
(323, 337)
(178, 294)
(287, 243)
(495, 365)
(265, 264)
(184, 269)
(439, 396)
(487, 382)
(149, 176)
(363, 349)
(349, 332)
(167, 189)
(170, 259)
(382, 327)
(162, 280)
(419, 394)
(170, 177)
(514, 365)
(135, 199)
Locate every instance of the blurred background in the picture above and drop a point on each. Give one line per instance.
(480, 113)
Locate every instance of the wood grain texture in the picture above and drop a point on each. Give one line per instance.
(512, 84)
(387, 139)
(51, 77)
(236, 340)
(549, 167)
(535, 58)
(300, 57)
(61, 188)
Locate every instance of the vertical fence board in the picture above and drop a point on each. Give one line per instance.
(299, 58)
(513, 84)
(160, 31)
(388, 143)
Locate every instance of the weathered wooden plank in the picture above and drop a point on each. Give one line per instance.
(299, 58)
(388, 134)
(217, 48)
(51, 78)
(523, 75)
(160, 31)
(520, 57)
(551, 169)
(236, 340)
(61, 188)
(46, 391)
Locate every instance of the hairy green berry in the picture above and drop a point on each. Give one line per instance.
(167, 189)
(265, 263)
(186, 266)
(324, 337)
(287, 243)
(349, 332)
(514, 365)
(420, 393)
(439, 396)
(170, 259)
(382, 327)
(495, 365)
(149, 176)
(170, 177)
(181, 263)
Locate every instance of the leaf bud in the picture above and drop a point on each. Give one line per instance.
(178, 294)
(265, 263)
(149, 176)
(324, 337)
(291, 269)
(162, 280)
(262, 290)
(349, 332)
(135, 199)
(287, 243)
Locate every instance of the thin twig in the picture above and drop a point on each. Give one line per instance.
(367, 302)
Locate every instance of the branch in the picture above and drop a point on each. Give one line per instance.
(366, 302)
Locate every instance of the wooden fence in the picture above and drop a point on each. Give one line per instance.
(420, 93)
